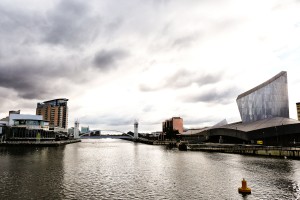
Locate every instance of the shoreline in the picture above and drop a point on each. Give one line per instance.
(254, 150)
(39, 143)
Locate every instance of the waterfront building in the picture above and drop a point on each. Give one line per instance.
(56, 112)
(265, 118)
(70, 131)
(28, 121)
(298, 110)
(156, 133)
(4, 121)
(173, 124)
(14, 112)
(267, 100)
(27, 127)
(85, 129)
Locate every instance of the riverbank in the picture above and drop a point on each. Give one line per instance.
(39, 143)
(276, 151)
(151, 142)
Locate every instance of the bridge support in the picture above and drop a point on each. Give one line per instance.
(136, 133)
(76, 130)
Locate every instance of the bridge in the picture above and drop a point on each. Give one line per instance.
(102, 134)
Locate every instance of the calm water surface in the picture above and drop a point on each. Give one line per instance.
(116, 169)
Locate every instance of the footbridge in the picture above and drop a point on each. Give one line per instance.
(99, 134)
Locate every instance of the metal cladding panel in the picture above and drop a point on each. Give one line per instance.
(267, 100)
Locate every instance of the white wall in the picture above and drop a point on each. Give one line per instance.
(22, 116)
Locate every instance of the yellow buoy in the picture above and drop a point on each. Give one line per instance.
(244, 189)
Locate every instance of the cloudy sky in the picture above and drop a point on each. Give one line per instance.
(117, 61)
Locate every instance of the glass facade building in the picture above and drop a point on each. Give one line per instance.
(268, 100)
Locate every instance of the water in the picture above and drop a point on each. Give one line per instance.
(116, 169)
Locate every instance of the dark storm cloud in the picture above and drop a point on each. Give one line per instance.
(70, 23)
(182, 79)
(213, 96)
(28, 65)
(33, 80)
(18, 28)
(107, 59)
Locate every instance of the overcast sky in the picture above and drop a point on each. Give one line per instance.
(117, 61)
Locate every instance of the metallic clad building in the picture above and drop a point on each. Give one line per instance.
(268, 100)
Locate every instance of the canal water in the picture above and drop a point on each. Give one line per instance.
(116, 169)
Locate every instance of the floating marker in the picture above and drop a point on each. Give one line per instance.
(244, 189)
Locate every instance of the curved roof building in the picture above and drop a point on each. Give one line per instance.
(264, 112)
(267, 100)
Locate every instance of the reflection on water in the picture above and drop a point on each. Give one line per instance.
(115, 169)
(35, 173)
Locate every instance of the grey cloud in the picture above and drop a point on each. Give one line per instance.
(182, 79)
(29, 72)
(71, 24)
(169, 39)
(185, 78)
(35, 79)
(213, 96)
(184, 41)
(18, 28)
(107, 59)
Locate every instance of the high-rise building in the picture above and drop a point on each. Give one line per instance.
(298, 110)
(173, 124)
(56, 112)
(267, 100)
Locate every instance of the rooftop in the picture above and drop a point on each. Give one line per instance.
(251, 126)
(283, 73)
(63, 99)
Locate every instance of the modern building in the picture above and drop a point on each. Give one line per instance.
(14, 112)
(16, 119)
(25, 127)
(173, 124)
(265, 118)
(85, 129)
(56, 112)
(28, 121)
(298, 110)
(267, 100)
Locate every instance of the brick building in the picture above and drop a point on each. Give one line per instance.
(56, 112)
(173, 124)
